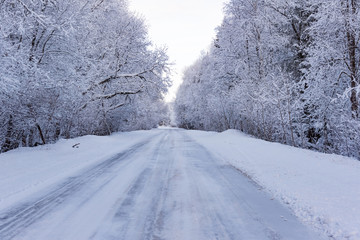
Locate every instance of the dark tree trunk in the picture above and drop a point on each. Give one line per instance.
(8, 144)
(41, 134)
(351, 42)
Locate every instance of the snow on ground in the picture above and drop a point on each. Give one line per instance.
(323, 190)
(166, 186)
(26, 171)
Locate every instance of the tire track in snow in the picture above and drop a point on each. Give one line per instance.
(17, 219)
(150, 188)
(236, 207)
(154, 223)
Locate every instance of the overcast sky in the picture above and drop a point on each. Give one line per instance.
(186, 27)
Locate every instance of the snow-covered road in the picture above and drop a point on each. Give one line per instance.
(163, 187)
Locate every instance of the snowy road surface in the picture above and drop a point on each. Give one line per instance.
(164, 187)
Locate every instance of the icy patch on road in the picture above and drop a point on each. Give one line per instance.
(322, 189)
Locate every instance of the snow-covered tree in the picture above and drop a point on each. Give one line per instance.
(283, 71)
(70, 68)
(333, 76)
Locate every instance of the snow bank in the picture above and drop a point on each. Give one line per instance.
(26, 171)
(323, 190)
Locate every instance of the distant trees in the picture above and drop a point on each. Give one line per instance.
(69, 68)
(282, 71)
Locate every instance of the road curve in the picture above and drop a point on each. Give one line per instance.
(168, 187)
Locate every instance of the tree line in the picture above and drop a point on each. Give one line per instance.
(284, 71)
(75, 67)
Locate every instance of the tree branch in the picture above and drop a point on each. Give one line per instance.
(40, 20)
(129, 75)
(109, 96)
(115, 107)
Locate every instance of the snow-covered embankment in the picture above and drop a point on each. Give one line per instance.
(322, 189)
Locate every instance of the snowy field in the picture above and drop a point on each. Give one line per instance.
(322, 189)
(175, 184)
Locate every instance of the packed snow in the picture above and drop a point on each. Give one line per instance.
(25, 171)
(322, 189)
(175, 184)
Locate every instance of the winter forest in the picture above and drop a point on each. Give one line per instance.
(75, 67)
(284, 71)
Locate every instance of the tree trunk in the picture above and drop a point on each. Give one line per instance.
(8, 141)
(351, 42)
(41, 134)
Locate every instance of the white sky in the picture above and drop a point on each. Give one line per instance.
(186, 27)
